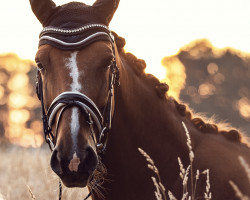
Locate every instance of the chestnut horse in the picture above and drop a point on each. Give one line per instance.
(96, 97)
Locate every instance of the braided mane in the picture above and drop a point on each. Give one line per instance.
(139, 65)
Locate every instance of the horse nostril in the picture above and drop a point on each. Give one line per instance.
(91, 159)
(76, 166)
(55, 162)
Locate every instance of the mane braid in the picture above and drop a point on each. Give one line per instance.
(139, 65)
(208, 128)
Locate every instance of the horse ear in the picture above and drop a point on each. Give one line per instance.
(42, 9)
(106, 9)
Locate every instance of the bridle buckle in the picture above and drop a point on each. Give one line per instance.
(103, 140)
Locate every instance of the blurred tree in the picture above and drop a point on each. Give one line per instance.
(19, 114)
(217, 82)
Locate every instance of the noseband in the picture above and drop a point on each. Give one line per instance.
(74, 39)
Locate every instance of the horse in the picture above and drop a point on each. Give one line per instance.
(99, 107)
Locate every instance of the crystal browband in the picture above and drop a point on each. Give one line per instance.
(72, 31)
(72, 44)
(71, 39)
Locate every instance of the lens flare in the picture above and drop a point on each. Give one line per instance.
(243, 106)
(18, 82)
(19, 116)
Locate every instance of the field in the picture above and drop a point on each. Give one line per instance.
(25, 174)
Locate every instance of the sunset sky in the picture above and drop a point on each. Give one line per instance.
(153, 29)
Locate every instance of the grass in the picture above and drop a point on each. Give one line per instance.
(236, 189)
(25, 174)
(185, 175)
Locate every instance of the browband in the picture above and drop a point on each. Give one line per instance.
(50, 29)
(74, 39)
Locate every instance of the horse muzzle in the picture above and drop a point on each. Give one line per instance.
(77, 169)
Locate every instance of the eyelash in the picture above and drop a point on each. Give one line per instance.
(39, 65)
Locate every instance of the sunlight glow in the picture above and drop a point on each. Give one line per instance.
(243, 106)
(23, 137)
(18, 103)
(152, 30)
(1, 92)
(212, 68)
(206, 89)
(19, 116)
(18, 100)
(18, 81)
(175, 75)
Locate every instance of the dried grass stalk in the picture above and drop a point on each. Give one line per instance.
(237, 191)
(160, 192)
(31, 193)
(245, 166)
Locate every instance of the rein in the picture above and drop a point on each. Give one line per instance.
(83, 36)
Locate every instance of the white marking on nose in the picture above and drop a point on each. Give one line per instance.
(75, 125)
(74, 163)
(71, 64)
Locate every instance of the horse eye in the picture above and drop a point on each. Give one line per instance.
(39, 65)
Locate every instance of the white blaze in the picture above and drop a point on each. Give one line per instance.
(74, 73)
(71, 64)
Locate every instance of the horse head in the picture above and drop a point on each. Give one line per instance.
(77, 72)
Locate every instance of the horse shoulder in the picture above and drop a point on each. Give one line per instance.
(221, 157)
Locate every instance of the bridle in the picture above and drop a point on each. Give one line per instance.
(73, 39)
(59, 38)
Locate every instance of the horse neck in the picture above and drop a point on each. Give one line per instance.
(143, 120)
(142, 117)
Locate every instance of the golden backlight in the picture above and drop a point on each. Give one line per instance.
(17, 96)
(152, 29)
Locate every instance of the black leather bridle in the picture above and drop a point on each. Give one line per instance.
(73, 39)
